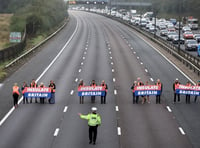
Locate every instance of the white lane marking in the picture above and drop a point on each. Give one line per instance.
(114, 79)
(131, 48)
(181, 130)
(119, 131)
(115, 92)
(129, 45)
(169, 109)
(79, 70)
(1, 84)
(86, 45)
(146, 70)
(109, 48)
(83, 58)
(117, 108)
(113, 70)
(168, 60)
(56, 132)
(76, 80)
(65, 109)
(72, 92)
(85, 52)
(111, 63)
(81, 63)
(151, 79)
(138, 58)
(111, 58)
(86, 48)
(134, 52)
(141, 63)
(43, 73)
(110, 52)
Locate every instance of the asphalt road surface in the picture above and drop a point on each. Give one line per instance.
(94, 47)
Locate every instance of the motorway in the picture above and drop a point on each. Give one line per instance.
(94, 47)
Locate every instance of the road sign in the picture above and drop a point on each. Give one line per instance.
(15, 37)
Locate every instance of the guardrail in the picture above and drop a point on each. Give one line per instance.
(34, 48)
(189, 60)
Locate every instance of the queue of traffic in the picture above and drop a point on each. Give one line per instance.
(34, 91)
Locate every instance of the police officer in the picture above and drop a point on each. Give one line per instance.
(158, 83)
(187, 96)
(133, 89)
(25, 99)
(15, 94)
(94, 85)
(94, 120)
(81, 97)
(195, 98)
(175, 85)
(103, 98)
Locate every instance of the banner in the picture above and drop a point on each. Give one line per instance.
(188, 90)
(147, 90)
(37, 92)
(91, 91)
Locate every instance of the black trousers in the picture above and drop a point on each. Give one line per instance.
(15, 98)
(103, 99)
(93, 133)
(93, 99)
(178, 95)
(157, 99)
(187, 99)
(133, 98)
(81, 99)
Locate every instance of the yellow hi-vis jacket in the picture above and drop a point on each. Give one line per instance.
(93, 119)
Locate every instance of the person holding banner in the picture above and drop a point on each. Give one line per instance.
(15, 94)
(42, 99)
(146, 98)
(25, 99)
(175, 86)
(34, 85)
(187, 96)
(79, 86)
(103, 98)
(139, 83)
(158, 83)
(198, 84)
(53, 87)
(133, 90)
(94, 85)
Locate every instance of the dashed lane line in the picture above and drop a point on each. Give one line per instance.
(76, 80)
(151, 79)
(169, 109)
(115, 92)
(181, 130)
(56, 132)
(65, 109)
(117, 108)
(119, 131)
(114, 79)
(79, 70)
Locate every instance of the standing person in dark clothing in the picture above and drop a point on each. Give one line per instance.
(176, 85)
(103, 98)
(34, 85)
(158, 83)
(187, 96)
(15, 93)
(139, 83)
(94, 120)
(133, 88)
(198, 84)
(94, 85)
(81, 97)
(53, 87)
(25, 99)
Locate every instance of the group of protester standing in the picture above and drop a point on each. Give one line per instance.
(17, 90)
(145, 98)
(94, 84)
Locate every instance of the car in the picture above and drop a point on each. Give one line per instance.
(198, 50)
(171, 30)
(177, 26)
(148, 25)
(152, 28)
(170, 35)
(186, 29)
(197, 37)
(191, 45)
(188, 35)
(162, 26)
(175, 39)
(163, 32)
